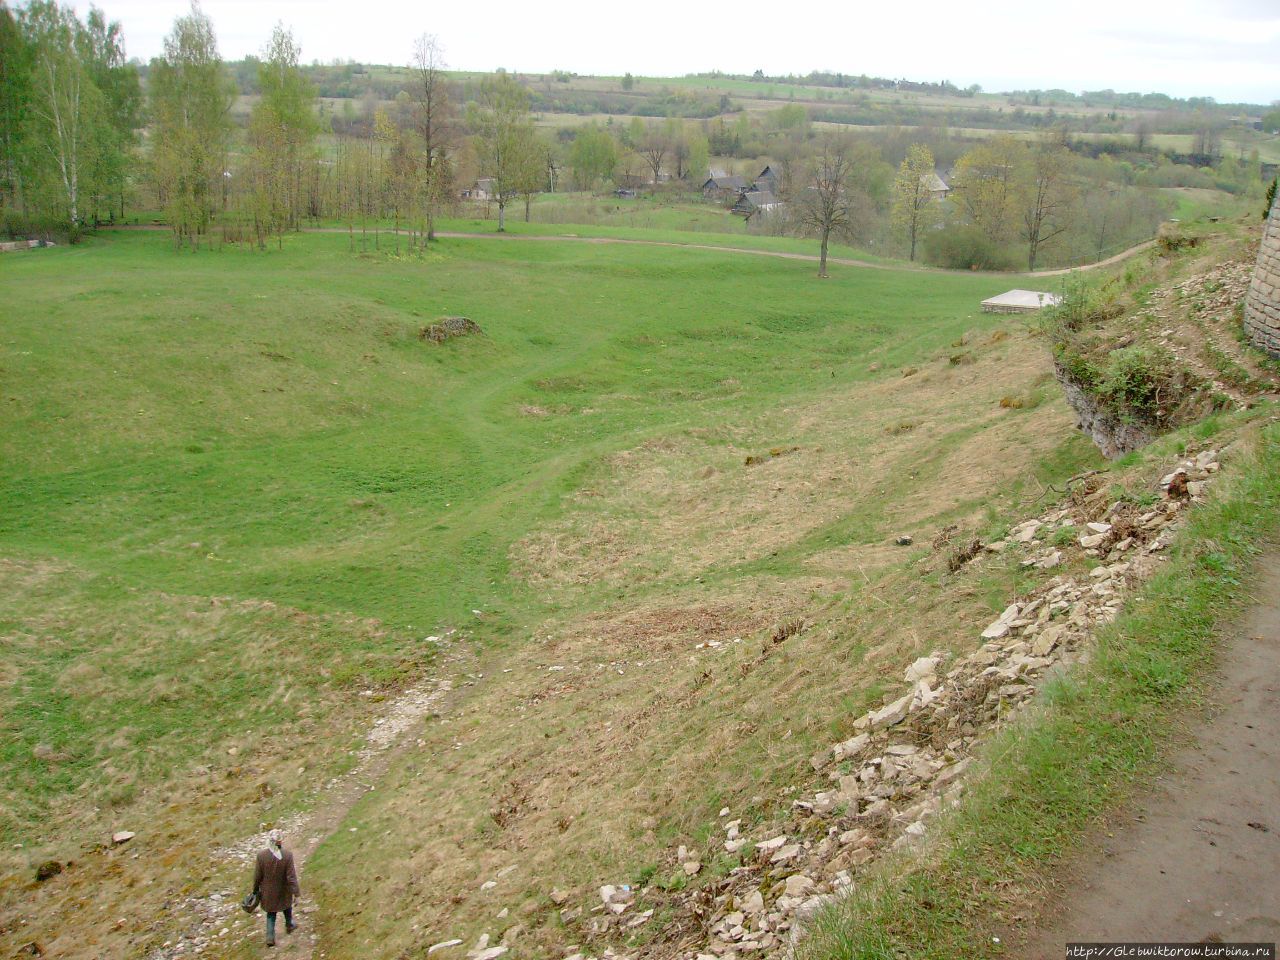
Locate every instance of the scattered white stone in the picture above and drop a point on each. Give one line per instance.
(789, 852)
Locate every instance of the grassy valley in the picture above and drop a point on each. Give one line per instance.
(243, 491)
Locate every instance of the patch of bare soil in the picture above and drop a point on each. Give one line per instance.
(1198, 860)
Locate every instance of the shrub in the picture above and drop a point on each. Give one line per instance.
(1141, 380)
(966, 248)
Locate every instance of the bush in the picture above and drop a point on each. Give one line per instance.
(1140, 380)
(1082, 305)
(966, 248)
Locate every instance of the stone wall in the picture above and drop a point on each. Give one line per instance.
(1262, 305)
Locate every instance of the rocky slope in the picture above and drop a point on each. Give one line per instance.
(878, 791)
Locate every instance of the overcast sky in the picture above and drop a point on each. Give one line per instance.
(1228, 49)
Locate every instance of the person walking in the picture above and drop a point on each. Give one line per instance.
(275, 880)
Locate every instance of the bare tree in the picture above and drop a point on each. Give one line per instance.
(1048, 199)
(826, 200)
(653, 147)
(431, 116)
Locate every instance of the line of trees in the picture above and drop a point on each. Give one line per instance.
(69, 114)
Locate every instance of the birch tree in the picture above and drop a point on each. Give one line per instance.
(65, 106)
(101, 48)
(502, 126)
(432, 115)
(15, 103)
(282, 129)
(191, 97)
(914, 209)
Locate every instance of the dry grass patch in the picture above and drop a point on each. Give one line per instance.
(592, 748)
(187, 720)
(672, 508)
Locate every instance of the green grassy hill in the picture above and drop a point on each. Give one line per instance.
(241, 490)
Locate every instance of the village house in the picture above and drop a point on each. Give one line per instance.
(936, 186)
(754, 203)
(484, 189)
(722, 187)
(769, 180)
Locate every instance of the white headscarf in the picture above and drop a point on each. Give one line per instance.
(273, 844)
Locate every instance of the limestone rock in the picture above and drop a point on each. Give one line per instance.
(797, 885)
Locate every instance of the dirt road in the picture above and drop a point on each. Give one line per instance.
(776, 254)
(1200, 858)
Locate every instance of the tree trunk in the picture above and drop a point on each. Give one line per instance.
(526, 208)
(913, 243)
(822, 262)
(502, 215)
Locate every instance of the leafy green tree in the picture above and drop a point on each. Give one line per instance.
(191, 96)
(986, 185)
(282, 131)
(533, 158)
(698, 166)
(66, 120)
(15, 101)
(915, 209)
(500, 119)
(101, 45)
(593, 156)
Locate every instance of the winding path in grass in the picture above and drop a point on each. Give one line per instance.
(718, 248)
(780, 254)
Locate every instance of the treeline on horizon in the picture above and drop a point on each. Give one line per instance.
(255, 149)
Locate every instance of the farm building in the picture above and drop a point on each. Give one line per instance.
(936, 186)
(722, 188)
(1020, 301)
(755, 202)
(484, 189)
(769, 179)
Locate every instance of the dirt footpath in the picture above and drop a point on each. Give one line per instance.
(1200, 859)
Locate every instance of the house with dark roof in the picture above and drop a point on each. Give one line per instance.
(722, 188)
(755, 203)
(769, 180)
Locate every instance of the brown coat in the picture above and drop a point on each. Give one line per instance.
(276, 881)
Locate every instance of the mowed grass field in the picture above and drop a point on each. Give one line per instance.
(240, 492)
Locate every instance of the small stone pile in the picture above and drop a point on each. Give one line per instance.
(906, 760)
(447, 328)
